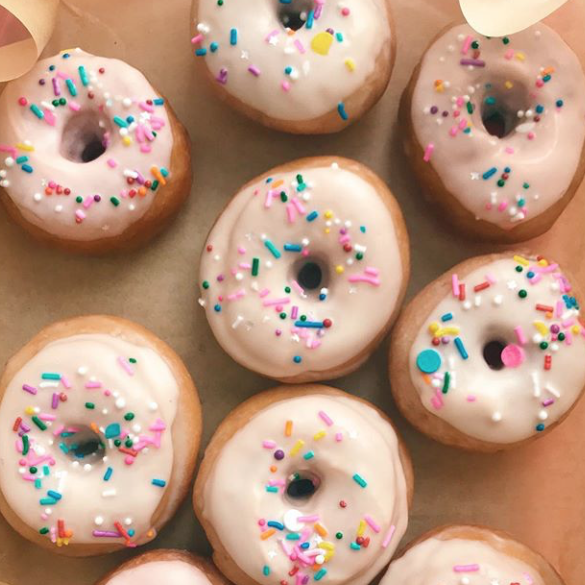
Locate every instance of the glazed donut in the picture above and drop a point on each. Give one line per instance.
(469, 555)
(305, 269)
(301, 66)
(92, 159)
(299, 484)
(495, 130)
(99, 431)
(172, 567)
(491, 354)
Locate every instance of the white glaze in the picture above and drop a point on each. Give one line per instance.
(161, 572)
(89, 502)
(248, 326)
(118, 91)
(503, 406)
(235, 497)
(433, 562)
(317, 83)
(547, 162)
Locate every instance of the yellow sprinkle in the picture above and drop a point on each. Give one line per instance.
(327, 546)
(576, 329)
(508, 85)
(327, 230)
(319, 435)
(267, 534)
(521, 260)
(328, 214)
(29, 410)
(439, 87)
(361, 528)
(350, 64)
(521, 56)
(339, 269)
(433, 327)
(543, 262)
(297, 447)
(320, 530)
(27, 147)
(127, 141)
(288, 428)
(541, 327)
(447, 331)
(321, 43)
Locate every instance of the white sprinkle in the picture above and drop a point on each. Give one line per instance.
(98, 520)
(497, 416)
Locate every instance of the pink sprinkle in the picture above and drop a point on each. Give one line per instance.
(371, 523)
(126, 365)
(29, 389)
(93, 385)
(454, 130)
(74, 106)
(548, 402)
(325, 418)
(274, 33)
(455, 285)
(372, 271)
(65, 381)
(47, 417)
(273, 303)
(196, 39)
(298, 205)
(463, 124)
(300, 46)
(466, 45)
(80, 215)
(254, 70)
(264, 292)
(509, 54)
(339, 437)
(466, 568)
(309, 519)
(55, 401)
(241, 250)
(237, 295)
(345, 11)
(58, 430)
(294, 313)
(437, 400)
(531, 136)
(291, 213)
(388, 536)
(50, 118)
(268, 200)
(112, 163)
(520, 336)
(502, 206)
(539, 83)
(276, 482)
(364, 278)
(429, 152)
(509, 150)
(285, 85)
(88, 202)
(268, 444)
(471, 398)
(245, 265)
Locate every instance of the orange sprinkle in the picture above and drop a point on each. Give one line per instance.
(158, 176)
(267, 533)
(288, 428)
(320, 530)
(94, 428)
(142, 191)
(273, 468)
(277, 184)
(548, 71)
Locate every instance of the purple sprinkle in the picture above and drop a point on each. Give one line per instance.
(474, 62)
(29, 389)
(445, 114)
(55, 401)
(279, 455)
(434, 110)
(97, 198)
(42, 82)
(222, 77)
(106, 534)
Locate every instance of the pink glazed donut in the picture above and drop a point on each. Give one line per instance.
(92, 158)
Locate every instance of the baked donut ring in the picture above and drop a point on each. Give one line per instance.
(495, 130)
(305, 270)
(469, 555)
(99, 432)
(171, 567)
(300, 66)
(302, 483)
(492, 353)
(92, 159)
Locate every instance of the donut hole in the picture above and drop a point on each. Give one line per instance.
(84, 138)
(311, 273)
(82, 444)
(301, 486)
(502, 102)
(294, 13)
(492, 353)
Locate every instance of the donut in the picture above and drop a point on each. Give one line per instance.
(304, 484)
(174, 567)
(469, 555)
(304, 270)
(300, 66)
(491, 354)
(495, 130)
(92, 158)
(99, 431)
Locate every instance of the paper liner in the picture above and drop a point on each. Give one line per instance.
(498, 18)
(25, 28)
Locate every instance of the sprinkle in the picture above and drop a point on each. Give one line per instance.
(267, 534)
(273, 250)
(325, 418)
(320, 574)
(266, 570)
(108, 474)
(388, 536)
(466, 568)
(37, 111)
(428, 152)
(159, 482)
(39, 423)
(341, 111)
(233, 37)
(312, 216)
(29, 389)
(371, 523)
(288, 427)
(360, 480)
(254, 70)
(71, 87)
(296, 447)
(461, 348)
(50, 376)
(473, 62)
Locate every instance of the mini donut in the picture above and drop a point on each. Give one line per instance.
(304, 484)
(301, 66)
(172, 567)
(305, 269)
(469, 555)
(92, 159)
(491, 354)
(99, 431)
(495, 130)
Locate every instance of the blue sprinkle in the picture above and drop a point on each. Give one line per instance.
(461, 348)
(363, 229)
(320, 574)
(233, 37)
(159, 102)
(293, 248)
(21, 159)
(27, 168)
(112, 431)
(159, 482)
(266, 568)
(108, 474)
(355, 546)
(297, 359)
(288, 70)
(83, 76)
(447, 317)
(71, 87)
(120, 122)
(272, 489)
(339, 37)
(164, 172)
(312, 216)
(213, 47)
(310, 19)
(342, 112)
(309, 324)
(540, 427)
(308, 455)
(38, 483)
(201, 52)
(274, 524)
(131, 532)
(489, 173)
(55, 495)
(217, 308)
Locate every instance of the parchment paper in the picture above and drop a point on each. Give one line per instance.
(536, 492)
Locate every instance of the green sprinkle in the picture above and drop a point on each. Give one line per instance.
(205, 284)
(39, 423)
(308, 455)
(115, 201)
(544, 345)
(33, 470)
(287, 290)
(522, 294)
(133, 360)
(293, 536)
(283, 197)
(79, 199)
(120, 122)
(355, 546)
(339, 535)
(519, 269)
(320, 574)
(506, 41)
(25, 444)
(469, 107)
(255, 266)
(129, 416)
(37, 111)
(89, 405)
(272, 489)
(83, 76)
(273, 249)
(44, 530)
(266, 568)
(50, 376)
(446, 382)
(282, 315)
